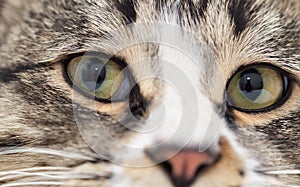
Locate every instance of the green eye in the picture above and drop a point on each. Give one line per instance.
(99, 76)
(256, 88)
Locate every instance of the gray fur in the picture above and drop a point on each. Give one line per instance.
(36, 107)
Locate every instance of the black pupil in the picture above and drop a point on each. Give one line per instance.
(93, 73)
(251, 84)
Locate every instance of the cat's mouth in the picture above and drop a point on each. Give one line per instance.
(187, 169)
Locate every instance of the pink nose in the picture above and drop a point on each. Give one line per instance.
(185, 166)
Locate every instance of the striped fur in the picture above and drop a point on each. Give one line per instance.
(40, 143)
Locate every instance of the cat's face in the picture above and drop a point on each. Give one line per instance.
(144, 93)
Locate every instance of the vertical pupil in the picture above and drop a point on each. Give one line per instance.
(93, 73)
(251, 84)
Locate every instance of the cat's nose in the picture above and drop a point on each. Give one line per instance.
(186, 165)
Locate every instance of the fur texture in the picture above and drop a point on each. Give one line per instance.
(40, 142)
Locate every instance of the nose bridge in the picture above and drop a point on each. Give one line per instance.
(190, 120)
(185, 102)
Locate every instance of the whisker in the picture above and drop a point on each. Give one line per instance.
(55, 175)
(3, 173)
(283, 172)
(279, 171)
(47, 151)
(272, 183)
(32, 184)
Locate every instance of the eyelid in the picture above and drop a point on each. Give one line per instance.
(288, 83)
(255, 65)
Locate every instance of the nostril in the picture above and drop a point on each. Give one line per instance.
(185, 166)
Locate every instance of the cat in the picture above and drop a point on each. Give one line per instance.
(176, 93)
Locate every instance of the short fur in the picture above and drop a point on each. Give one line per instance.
(39, 140)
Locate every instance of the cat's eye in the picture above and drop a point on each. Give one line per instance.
(100, 77)
(257, 88)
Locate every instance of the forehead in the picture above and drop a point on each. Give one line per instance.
(218, 42)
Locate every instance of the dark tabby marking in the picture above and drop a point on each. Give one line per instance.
(40, 112)
(238, 10)
(127, 9)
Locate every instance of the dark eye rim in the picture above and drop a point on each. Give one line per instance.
(115, 59)
(285, 95)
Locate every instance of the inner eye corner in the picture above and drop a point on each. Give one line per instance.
(283, 96)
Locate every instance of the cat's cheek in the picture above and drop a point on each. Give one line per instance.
(115, 109)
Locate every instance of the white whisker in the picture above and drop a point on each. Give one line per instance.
(53, 175)
(283, 172)
(46, 151)
(3, 173)
(32, 184)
